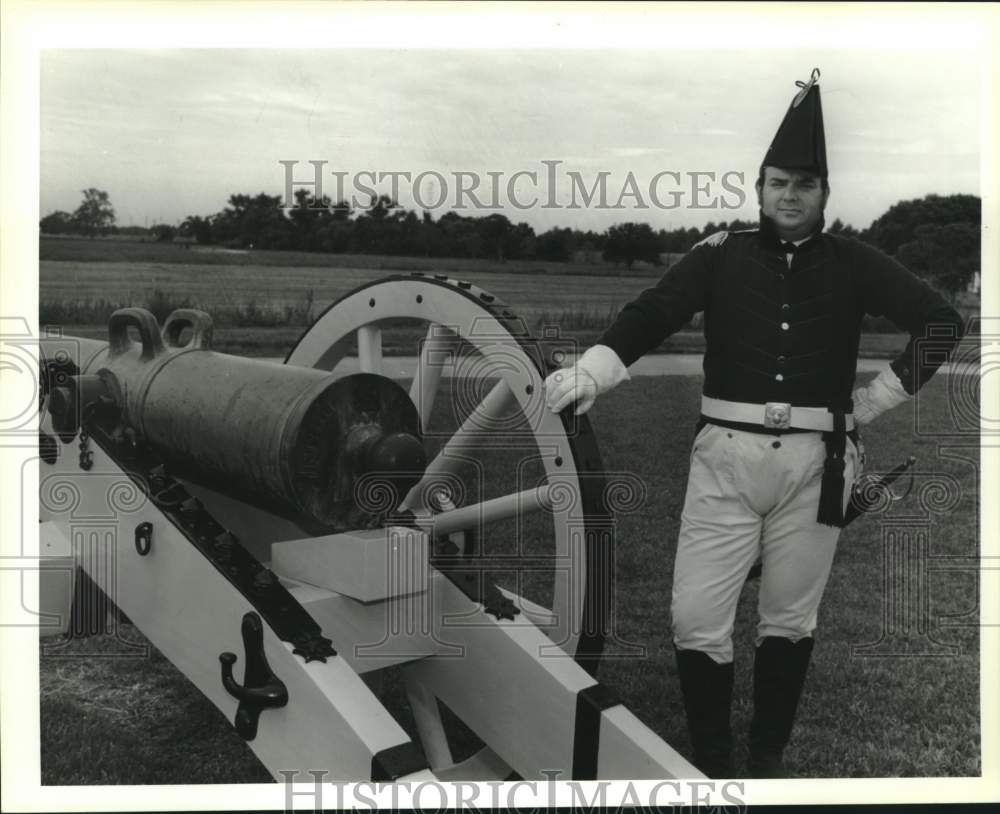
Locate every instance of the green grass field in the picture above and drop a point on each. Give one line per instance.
(134, 251)
(213, 286)
(118, 272)
(262, 301)
(136, 720)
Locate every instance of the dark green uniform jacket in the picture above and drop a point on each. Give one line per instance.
(775, 333)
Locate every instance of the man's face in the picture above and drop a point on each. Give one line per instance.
(793, 200)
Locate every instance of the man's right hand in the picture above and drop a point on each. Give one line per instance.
(568, 385)
(596, 372)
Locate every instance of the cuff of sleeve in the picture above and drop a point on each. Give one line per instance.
(904, 374)
(885, 392)
(604, 366)
(894, 389)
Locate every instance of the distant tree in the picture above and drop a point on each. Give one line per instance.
(688, 237)
(521, 242)
(163, 232)
(459, 236)
(555, 244)
(590, 240)
(94, 215)
(839, 228)
(946, 256)
(197, 227)
(307, 217)
(381, 208)
(335, 236)
(257, 221)
(428, 240)
(335, 232)
(711, 228)
(342, 211)
(496, 232)
(628, 242)
(408, 233)
(57, 223)
(900, 223)
(379, 228)
(132, 231)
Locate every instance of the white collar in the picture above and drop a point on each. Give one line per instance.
(797, 242)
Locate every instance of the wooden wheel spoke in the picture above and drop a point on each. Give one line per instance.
(370, 349)
(494, 365)
(475, 428)
(430, 365)
(493, 510)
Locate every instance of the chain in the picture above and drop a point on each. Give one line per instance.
(86, 456)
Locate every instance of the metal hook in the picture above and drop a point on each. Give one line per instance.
(261, 688)
(143, 538)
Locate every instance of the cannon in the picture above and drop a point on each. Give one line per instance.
(285, 533)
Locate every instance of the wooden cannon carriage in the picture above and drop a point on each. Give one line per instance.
(282, 533)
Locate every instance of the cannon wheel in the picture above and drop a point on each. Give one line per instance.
(479, 336)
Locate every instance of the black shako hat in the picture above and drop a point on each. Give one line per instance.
(800, 143)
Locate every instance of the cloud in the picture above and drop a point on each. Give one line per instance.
(220, 119)
(636, 152)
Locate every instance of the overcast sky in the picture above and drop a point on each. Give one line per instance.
(169, 133)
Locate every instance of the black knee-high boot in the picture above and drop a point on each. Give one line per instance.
(707, 687)
(779, 672)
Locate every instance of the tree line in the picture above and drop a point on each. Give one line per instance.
(936, 237)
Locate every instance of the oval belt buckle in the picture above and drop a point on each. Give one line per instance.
(777, 415)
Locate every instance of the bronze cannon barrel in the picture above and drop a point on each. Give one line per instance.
(293, 439)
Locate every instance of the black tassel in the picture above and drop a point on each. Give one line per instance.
(831, 495)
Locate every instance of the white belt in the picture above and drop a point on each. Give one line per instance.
(776, 415)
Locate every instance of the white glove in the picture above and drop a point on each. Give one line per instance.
(595, 373)
(885, 392)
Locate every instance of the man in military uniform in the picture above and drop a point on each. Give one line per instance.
(776, 447)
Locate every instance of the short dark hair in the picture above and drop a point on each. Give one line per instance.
(822, 178)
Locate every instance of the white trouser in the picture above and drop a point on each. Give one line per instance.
(752, 494)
